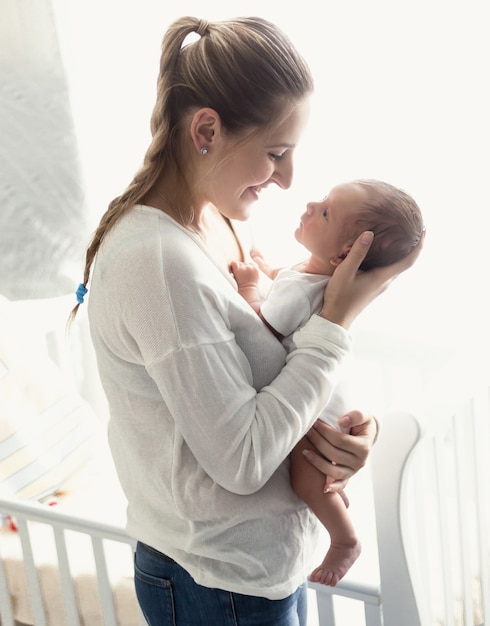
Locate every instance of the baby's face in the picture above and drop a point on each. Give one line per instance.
(326, 227)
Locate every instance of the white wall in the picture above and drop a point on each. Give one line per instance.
(402, 94)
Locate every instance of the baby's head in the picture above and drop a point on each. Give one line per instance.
(393, 216)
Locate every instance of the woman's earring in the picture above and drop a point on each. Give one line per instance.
(204, 151)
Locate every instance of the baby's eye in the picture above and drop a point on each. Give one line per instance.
(325, 213)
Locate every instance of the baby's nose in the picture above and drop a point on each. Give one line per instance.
(310, 208)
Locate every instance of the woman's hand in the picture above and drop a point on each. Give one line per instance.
(349, 291)
(339, 455)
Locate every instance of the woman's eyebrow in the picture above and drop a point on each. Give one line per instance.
(281, 145)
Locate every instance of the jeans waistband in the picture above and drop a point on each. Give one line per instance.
(156, 553)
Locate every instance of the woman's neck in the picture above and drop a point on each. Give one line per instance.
(214, 229)
(220, 237)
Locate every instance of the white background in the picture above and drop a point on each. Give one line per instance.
(401, 94)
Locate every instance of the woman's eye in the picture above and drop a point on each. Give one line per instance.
(275, 156)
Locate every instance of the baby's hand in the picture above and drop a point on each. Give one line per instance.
(263, 265)
(245, 274)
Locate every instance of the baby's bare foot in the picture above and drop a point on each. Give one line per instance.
(337, 562)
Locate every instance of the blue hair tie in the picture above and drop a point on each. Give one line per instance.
(80, 292)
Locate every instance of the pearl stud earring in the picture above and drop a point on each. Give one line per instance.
(204, 151)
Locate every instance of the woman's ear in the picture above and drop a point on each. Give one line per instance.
(205, 128)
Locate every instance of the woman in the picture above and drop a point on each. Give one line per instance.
(204, 406)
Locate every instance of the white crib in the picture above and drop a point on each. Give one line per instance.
(59, 596)
(429, 473)
(422, 505)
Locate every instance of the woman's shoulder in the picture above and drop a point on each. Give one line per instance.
(146, 232)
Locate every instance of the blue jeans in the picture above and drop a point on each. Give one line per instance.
(168, 596)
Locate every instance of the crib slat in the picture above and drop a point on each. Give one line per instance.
(326, 613)
(423, 468)
(32, 575)
(66, 580)
(105, 590)
(443, 480)
(462, 429)
(481, 435)
(481, 469)
(6, 615)
(373, 615)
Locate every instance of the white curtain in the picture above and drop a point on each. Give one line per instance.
(42, 219)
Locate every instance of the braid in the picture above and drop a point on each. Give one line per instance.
(108, 219)
(156, 157)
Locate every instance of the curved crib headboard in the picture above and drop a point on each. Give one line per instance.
(400, 433)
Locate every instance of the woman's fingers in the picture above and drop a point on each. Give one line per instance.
(349, 291)
(343, 450)
(350, 265)
(338, 476)
(386, 274)
(360, 425)
(339, 455)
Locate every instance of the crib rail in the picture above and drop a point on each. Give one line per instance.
(369, 596)
(27, 513)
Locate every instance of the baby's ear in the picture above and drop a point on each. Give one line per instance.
(337, 260)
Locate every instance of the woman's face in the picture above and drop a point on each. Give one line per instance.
(254, 164)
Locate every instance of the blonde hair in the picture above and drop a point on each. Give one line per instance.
(246, 69)
(394, 217)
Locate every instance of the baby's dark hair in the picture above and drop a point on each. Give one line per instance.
(395, 219)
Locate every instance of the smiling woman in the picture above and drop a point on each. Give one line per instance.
(182, 360)
(399, 96)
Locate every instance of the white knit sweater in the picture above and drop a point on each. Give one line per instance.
(204, 408)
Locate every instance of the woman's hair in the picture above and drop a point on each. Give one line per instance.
(395, 219)
(245, 69)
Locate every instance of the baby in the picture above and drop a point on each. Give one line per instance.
(327, 230)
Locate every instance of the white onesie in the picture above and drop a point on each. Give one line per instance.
(292, 299)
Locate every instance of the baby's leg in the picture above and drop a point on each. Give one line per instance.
(330, 509)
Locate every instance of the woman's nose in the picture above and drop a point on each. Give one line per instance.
(283, 172)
